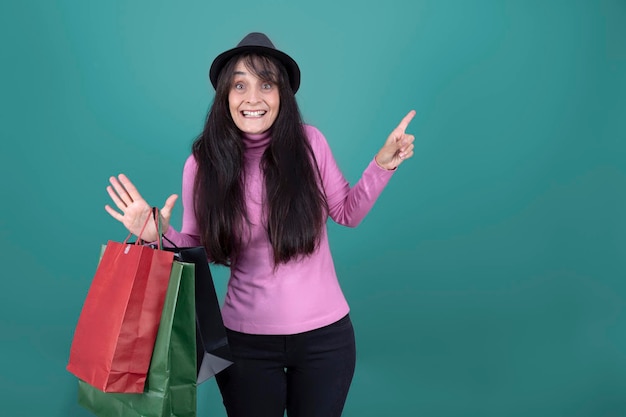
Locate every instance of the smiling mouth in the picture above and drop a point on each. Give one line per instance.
(257, 113)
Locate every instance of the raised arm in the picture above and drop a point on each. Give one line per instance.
(347, 205)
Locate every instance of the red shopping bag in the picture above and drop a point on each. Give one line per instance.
(117, 327)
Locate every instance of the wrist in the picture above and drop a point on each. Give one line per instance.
(383, 166)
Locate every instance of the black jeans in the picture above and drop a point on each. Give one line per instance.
(308, 374)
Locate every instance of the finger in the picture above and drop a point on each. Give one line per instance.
(405, 121)
(407, 139)
(166, 211)
(116, 199)
(130, 188)
(406, 153)
(406, 143)
(121, 192)
(117, 216)
(407, 148)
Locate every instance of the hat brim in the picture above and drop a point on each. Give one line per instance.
(293, 71)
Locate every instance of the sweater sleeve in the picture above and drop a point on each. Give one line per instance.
(347, 205)
(189, 234)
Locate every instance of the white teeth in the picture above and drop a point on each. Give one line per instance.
(254, 113)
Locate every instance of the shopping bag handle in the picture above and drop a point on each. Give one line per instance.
(157, 223)
(174, 245)
(159, 226)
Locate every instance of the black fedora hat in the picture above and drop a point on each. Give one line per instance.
(258, 43)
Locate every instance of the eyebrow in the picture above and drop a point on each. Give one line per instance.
(240, 73)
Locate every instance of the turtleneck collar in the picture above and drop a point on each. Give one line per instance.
(256, 143)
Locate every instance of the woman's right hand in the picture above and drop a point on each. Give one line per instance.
(135, 210)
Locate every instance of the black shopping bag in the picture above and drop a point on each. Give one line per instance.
(212, 347)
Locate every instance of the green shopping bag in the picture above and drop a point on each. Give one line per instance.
(171, 385)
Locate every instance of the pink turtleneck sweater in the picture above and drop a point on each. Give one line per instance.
(301, 295)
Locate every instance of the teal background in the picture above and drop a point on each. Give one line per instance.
(488, 280)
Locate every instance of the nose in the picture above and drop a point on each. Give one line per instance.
(252, 95)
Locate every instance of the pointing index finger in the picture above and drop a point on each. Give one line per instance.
(406, 120)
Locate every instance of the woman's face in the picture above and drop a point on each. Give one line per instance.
(253, 103)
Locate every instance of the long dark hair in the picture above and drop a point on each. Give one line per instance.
(295, 206)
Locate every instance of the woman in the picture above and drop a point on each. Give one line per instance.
(257, 191)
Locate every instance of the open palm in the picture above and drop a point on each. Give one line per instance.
(135, 211)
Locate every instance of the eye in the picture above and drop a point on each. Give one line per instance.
(238, 86)
(267, 86)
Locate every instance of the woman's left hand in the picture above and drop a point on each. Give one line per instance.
(398, 147)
